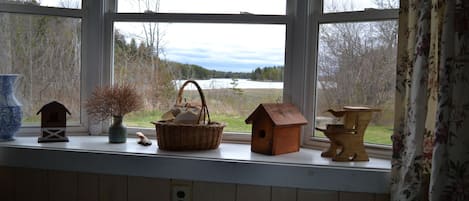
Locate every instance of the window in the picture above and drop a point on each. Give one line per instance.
(48, 3)
(242, 54)
(46, 51)
(238, 62)
(336, 6)
(256, 7)
(356, 64)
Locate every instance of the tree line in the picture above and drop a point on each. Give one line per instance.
(190, 71)
(45, 51)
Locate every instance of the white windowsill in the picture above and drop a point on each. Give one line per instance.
(230, 163)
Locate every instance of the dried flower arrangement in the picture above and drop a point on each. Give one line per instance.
(116, 101)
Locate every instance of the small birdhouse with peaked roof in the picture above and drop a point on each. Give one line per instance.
(276, 128)
(53, 122)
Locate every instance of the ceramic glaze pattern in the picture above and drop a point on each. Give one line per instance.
(10, 108)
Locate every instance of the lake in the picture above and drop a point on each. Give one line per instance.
(225, 83)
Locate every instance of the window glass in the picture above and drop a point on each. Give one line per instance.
(47, 3)
(46, 52)
(237, 65)
(357, 67)
(334, 6)
(273, 7)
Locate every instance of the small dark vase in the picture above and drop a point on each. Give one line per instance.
(117, 131)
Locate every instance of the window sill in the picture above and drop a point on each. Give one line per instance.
(230, 163)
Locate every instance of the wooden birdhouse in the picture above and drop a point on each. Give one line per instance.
(276, 128)
(53, 122)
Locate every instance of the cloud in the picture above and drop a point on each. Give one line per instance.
(227, 47)
(229, 60)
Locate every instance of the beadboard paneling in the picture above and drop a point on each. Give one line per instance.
(7, 184)
(88, 187)
(31, 184)
(112, 188)
(350, 196)
(147, 189)
(253, 193)
(283, 194)
(317, 195)
(382, 197)
(207, 191)
(63, 185)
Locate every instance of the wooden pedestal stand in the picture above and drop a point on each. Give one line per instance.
(348, 137)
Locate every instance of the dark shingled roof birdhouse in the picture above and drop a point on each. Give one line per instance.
(53, 122)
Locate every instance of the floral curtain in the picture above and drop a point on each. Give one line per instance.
(431, 137)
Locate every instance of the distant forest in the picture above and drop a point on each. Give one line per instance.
(191, 71)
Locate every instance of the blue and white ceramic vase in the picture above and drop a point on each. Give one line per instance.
(10, 108)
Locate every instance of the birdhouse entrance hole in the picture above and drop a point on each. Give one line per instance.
(262, 133)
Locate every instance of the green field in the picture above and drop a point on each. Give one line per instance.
(374, 134)
(233, 107)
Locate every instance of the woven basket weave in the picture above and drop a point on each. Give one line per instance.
(182, 137)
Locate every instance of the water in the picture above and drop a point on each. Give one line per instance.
(225, 83)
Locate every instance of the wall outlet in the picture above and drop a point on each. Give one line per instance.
(181, 192)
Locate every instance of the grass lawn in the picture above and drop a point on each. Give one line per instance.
(373, 135)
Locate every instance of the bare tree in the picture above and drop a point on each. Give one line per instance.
(356, 64)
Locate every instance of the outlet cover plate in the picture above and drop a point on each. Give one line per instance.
(181, 193)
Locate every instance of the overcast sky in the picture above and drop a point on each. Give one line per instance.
(226, 47)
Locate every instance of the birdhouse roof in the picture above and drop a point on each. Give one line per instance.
(54, 105)
(281, 114)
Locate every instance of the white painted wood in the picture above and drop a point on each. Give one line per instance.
(283, 194)
(63, 185)
(92, 53)
(88, 187)
(199, 18)
(147, 189)
(40, 10)
(351, 196)
(253, 193)
(208, 191)
(317, 195)
(112, 188)
(360, 16)
(230, 163)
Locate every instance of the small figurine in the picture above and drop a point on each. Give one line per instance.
(348, 137)
(53, 122)
(143, 140)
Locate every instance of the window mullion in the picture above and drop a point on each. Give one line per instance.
(92, 54)
(359, 16)
(199, 18)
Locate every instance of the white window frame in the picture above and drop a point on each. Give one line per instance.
(302, 21)
(86, 69)
(315, 18)
(114, 16)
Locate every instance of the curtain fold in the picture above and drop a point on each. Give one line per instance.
(431, 136)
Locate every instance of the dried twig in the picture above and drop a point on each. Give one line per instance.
(116, 100)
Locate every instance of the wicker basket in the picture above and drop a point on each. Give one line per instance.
(182, 137)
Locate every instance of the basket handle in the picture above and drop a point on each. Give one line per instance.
(204, 109)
